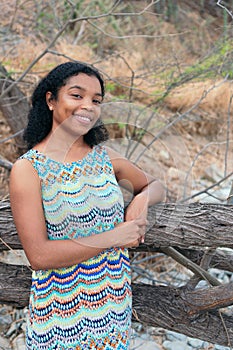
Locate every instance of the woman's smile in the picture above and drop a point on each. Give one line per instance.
(83, 118)
(78, 103)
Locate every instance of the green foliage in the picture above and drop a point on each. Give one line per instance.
(218, 63)
(7, 62)
(121, 97)
(121, 126)
(43, 19)
(71, 12)
(110, 86)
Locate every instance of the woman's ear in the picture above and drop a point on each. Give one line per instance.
(50, 100)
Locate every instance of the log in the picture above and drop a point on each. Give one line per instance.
(177, 225)
(221, 259)
(168, 308)
(187, 312)
(187, 226)
(15, 282)
(190, 312)
(9, 240)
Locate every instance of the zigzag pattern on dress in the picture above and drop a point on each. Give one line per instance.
(88, 305)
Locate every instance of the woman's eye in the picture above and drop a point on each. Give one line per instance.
(98, 102)
(77, 96)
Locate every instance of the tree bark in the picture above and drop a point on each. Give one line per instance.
(187, 312)
(15, 282)
(169, 308)
(216, 218)
(222, 260)
(178, 225)
(191, 312)
(186, 226)
(13, 105)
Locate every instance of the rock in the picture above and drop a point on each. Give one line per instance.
(175, 345)
(175, 336)
(220, 347)
(5, 318)
(196, 343)
(19, 342)
(176, 174)
(213, 173)
(4, 344)
(16, 257)
(141, 344)
(202, 284)
(163, 154)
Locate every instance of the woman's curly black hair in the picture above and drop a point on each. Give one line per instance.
(40, 117)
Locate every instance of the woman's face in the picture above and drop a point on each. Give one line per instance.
(77, 107)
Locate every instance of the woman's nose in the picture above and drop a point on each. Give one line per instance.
(87, 104)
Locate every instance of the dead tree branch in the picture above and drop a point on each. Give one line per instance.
(171, 308)
(5, 163)
(191, 312)
(230, 13)
(177, 225)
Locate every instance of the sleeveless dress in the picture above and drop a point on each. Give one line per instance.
(88, 305)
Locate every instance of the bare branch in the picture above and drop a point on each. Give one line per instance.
(12, 136)
(225, 8)
(228, 133)
(59, 33)
(135, 35)
(191, 265)
(205, 263)
(5, 163)
(208, 188)
(176, 120)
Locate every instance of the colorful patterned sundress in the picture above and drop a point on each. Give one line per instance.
(88, 305)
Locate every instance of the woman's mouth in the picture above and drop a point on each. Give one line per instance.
(83, 119)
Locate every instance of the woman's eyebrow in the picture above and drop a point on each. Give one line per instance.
(83, 89)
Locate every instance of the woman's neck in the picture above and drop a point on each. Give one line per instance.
(63, 147)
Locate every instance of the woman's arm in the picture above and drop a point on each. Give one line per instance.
(145, 188)
(42, 253)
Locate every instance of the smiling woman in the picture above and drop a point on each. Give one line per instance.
(76, 111)
(69, 213)
(79, 100)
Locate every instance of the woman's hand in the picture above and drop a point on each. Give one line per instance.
(138, 209)
(129, 234)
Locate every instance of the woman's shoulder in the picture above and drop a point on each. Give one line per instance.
(25, 165)
(113, 155)
(119, 162)
(27, 155)
(23, 175)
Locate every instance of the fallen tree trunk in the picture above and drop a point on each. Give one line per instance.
(192, 312)
(222, 260)
(188, 312)
(160, 306)
(185, 226)
(178, 225)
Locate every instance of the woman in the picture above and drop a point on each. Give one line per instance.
(69, 214)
